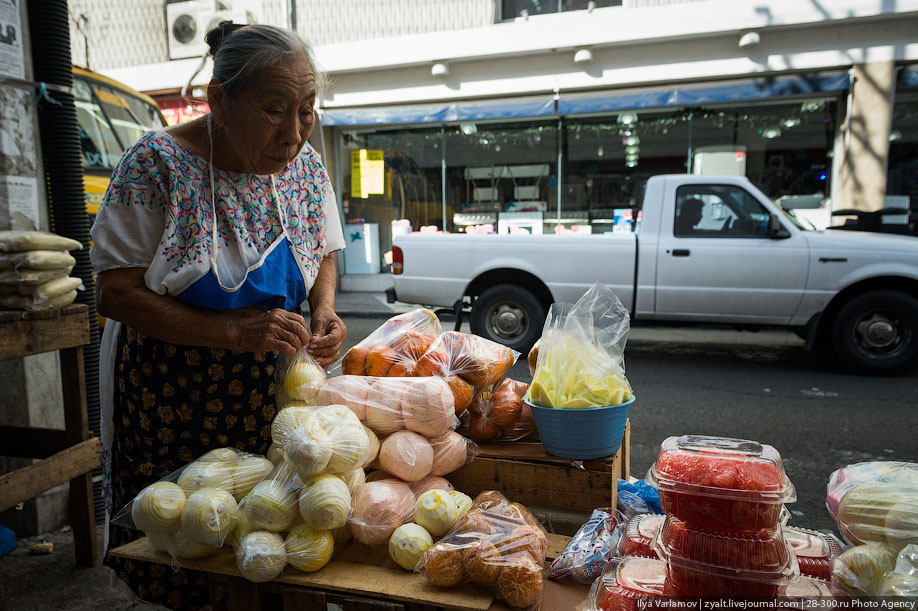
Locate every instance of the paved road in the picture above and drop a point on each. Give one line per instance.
(760, 386)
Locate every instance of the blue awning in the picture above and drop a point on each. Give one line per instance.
(508, 108)
(702, 93)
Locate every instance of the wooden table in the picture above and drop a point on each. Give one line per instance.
(68, 454)
(359, 578)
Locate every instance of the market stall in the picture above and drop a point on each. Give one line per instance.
(416, 475)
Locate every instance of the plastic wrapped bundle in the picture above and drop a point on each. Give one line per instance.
(498, 412)
(580, 360)
(298, 379)
(881, 512)
(26, 276)
(378, 508)
(261, 556)
(22, 241)
(308, 549)
(386, 405)
(273, 503)
(476, 361)
(394, 348)
(179, 547)
(158, 509)
(304, 441)
(37, 259)
(496, 544)
(325, 502)
(209, 516)
(589, 550)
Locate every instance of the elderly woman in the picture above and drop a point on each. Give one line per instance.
(211, 236)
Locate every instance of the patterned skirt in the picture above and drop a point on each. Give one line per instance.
(172, 404)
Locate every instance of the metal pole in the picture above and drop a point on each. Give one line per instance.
(560, 149)
(443, 173)
(292, 20)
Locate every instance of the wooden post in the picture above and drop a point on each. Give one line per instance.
(76, 423)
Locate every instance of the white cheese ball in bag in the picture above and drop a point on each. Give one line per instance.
(261, 556)
(406, 455)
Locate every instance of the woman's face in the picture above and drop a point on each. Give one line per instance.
(267, 123)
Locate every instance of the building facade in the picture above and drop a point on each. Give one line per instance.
(548, 117)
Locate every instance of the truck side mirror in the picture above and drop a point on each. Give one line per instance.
(776, 230)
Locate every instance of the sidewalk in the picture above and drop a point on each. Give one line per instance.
(367, 305)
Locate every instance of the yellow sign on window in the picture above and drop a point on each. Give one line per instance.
(367, 170)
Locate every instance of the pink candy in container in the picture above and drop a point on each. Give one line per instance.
(730, 483)
(626, 581)
(639, 534)
(814, 551)
(709, 561)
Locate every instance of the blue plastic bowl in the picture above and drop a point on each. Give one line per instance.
(594, 432)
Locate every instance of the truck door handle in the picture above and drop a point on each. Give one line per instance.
(681, 252)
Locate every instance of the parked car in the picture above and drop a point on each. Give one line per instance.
(744, 263)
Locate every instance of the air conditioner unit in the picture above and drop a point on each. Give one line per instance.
(188, 21)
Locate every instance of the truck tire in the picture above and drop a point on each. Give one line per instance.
(508, 314)
(876, 333)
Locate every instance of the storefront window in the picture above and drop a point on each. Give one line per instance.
(607, 161)
(783, 148)
(394, 187)
(902, 177)
(501, 177)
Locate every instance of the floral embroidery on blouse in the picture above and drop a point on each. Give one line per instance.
(159, 172)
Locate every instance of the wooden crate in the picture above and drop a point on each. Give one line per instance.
(359, 578)
(525, 473)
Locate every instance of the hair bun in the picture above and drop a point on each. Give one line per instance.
(218, 34)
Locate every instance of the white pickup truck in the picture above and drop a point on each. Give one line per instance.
(709, 249)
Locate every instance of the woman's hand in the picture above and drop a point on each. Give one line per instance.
(274, 330)
(328, 333)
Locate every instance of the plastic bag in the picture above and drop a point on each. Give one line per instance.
(580, 361)
(43, 293)
(322, 439)
(16, 301)
(436, 511)
(196, 504)
(387, 405)
(497, 544)
(32, 277)
(393, 349)
(586, 554)
(37, 259)
(298, 379)
(21, 241)
(384, 503)
(498, 412)
(533, 357)
(467, 363)
(875, 501)
(637, 498)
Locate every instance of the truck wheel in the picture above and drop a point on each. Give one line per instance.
(876, 333)
(508, 314)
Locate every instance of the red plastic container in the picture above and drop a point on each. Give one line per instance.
(730, 483)
(625, 582)
(639, 534)
(708, 561)
(814, 550)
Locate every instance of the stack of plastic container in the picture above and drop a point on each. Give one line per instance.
(724, 530)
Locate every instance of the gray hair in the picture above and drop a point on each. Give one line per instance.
(242, 52)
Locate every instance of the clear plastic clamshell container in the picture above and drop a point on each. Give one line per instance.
(731, 483)
(710, 561)
(626, 581)
(639, 533)
(814, 551)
